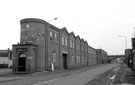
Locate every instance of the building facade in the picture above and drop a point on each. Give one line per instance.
(78, 51)
(72, 50)
(102, 56)
(92, 56)
(45, 47)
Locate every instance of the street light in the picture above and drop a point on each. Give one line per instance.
(52, 19)
(49, 59)
(125, 40)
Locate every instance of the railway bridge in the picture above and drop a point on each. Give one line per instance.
(115, 58)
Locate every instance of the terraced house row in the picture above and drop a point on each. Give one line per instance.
(44, 47)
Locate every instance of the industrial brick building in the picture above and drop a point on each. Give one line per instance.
(102, 56)
(92, 56)
(44, 47)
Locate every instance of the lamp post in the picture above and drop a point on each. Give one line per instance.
(49, 59)
(125, 41)
(52, 20)
(125, 44)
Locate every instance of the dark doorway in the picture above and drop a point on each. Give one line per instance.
(65, 61)
(21, 62)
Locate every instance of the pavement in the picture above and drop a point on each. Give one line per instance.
(115, 76)
(124, 76)
(5, 70)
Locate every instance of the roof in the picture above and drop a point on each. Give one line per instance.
(64, 29)
(72, 33)
(32, 20)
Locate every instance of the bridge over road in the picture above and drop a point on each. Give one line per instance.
(115, 58)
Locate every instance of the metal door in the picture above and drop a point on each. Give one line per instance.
(21, 62)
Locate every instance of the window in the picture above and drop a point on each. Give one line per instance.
(82, 59)
(78, 46)
(55, 37)
(77, 59)
(73, 43)
(51, 36)
(54, 56)
(70, 43)
(86, 59)
(62, 40)
(72, 58)
(65, 41)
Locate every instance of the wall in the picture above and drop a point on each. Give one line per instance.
(33, 32)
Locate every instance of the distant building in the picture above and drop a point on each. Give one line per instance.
(92, 56)
(127, 54)
(102, 56)
(5, 58)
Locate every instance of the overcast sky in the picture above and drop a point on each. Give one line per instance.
(100, 22)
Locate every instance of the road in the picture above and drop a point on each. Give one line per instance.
(78, 77)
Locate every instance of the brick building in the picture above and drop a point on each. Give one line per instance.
(72, 50)
(46, 47)
(85, 53)
(78, 51)
(102, 56)
(92, 56)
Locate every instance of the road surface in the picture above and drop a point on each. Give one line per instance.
(79, 77)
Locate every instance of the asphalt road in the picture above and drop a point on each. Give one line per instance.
(77, 77)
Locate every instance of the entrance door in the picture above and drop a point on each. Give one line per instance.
(21, 62)
(65, 61)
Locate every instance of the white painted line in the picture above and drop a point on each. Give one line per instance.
(45, 82)
(126, 84)
(113, 77)
(67, 76)
(116, 69)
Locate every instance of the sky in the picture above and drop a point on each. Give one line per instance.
(100, 22)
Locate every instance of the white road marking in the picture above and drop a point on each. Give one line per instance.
(55, 79)
(67, 76)
(78, 75)
(113, 77)
(126, 84)
(116, 69)
(45, 82)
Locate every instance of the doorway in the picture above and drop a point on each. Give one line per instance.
(65, 65)
(21, 62)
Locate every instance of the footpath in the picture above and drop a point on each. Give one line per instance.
(114, 76)
(125, 76)
(6, 74)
